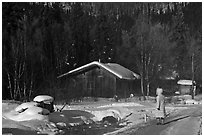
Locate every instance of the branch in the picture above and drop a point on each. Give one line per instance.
(23, 68)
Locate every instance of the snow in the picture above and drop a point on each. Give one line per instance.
(185, 82)
(131, 104)
(43, 98)
(127, 114)
(69, 117)
(24, 106)
(191, 101)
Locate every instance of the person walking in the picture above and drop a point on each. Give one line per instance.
(160, 105)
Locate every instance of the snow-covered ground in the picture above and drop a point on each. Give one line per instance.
(89, 117)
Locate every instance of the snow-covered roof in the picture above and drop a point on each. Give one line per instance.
(185, 82)
(116, 69)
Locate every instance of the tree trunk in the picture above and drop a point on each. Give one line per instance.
(192, 92)
(31, 87)
(142, 72)
(24, 89)
(15, 81)
(148, 85)
(142, 85)
(10, 88)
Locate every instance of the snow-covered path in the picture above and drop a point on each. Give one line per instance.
(183, 122)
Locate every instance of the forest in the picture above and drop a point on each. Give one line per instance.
(42, 40)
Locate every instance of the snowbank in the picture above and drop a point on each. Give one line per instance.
(130, 104)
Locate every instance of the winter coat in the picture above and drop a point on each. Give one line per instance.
(160, 104)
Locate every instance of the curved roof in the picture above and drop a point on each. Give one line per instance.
(116, 69)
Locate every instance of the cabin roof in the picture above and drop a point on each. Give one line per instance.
(185, 82)
(116, 69)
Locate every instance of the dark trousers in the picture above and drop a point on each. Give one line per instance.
(160, 121)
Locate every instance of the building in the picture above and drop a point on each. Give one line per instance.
(185, 86)
(101, 80)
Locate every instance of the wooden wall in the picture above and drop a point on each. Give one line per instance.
(185, 89)
(98, 82)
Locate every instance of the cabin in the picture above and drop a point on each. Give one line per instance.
(185, 86)
(98, 79)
